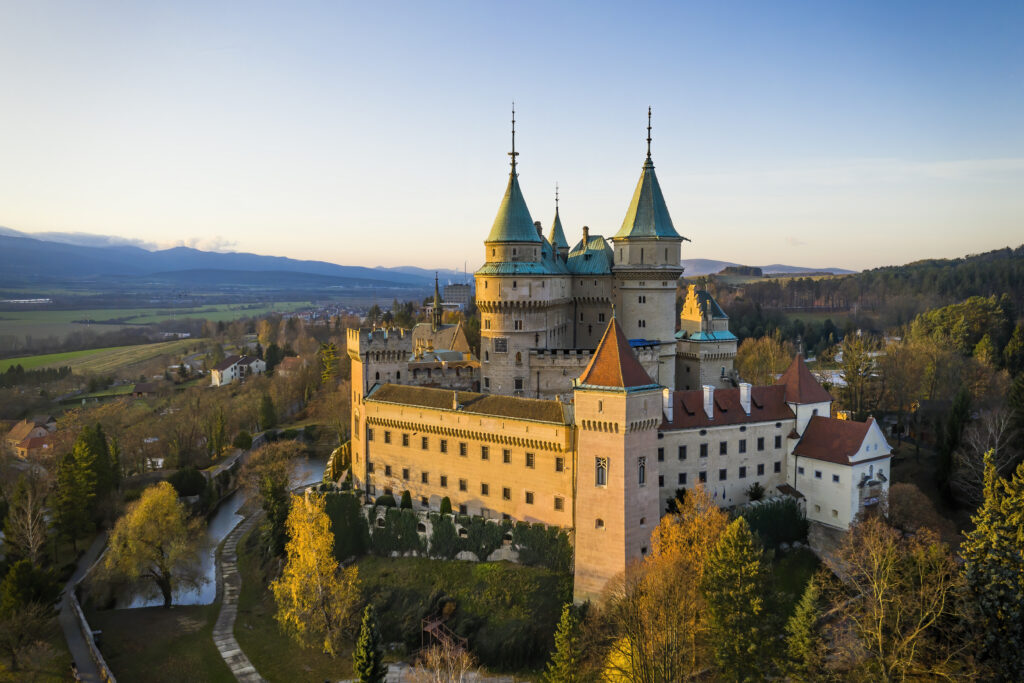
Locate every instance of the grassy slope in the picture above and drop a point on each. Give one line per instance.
(104, 360)
(154, 644)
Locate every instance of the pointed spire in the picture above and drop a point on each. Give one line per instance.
(436, 313)
(614, 365)
(557, 236)
(647, 215)
(801, 386)
(513, 153)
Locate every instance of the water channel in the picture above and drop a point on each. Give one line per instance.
(226, 518)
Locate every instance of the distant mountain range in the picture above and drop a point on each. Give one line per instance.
(64, 257)
(701, 266)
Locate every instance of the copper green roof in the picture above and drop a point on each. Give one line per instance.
(592, 258)
(557, 237)
(647, 215)
(708, 305)
(513, 222)
(515, 268)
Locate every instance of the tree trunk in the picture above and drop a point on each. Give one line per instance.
(165, 589)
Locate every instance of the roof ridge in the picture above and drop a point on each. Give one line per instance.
(614, 364)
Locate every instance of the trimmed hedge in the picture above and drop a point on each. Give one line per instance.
(777, 521)
(398, 533)
(351, 535)
(543, 546)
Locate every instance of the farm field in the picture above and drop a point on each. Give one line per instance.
(57, 323)
(103, 361)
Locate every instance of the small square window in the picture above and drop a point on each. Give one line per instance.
(721, 474)
(835, 478)
(506, 456)
(405, 440)
(817, 508)
(424, 442)
(463, 449)
(743, 445)
(444, 445)
(743, 473)
(463, 509)
(835, 513)
(559, 464)
(800, 470)
(817, 474)
(369, 434)
(703, 450)
(424, 477)
(485, 453)
(723, 448)
(424, 501)
(444, 481)
(760, 469)
(529, 497)
(369, 466)
(681, 479)
(559, 503)
(463, 485)
(531, 460)
(387, 436)
(405, 473)
(703, 477)
(682, 452)
(777, 467)
(506, 493)
(661, 481)
(485, 490)
(661, 454)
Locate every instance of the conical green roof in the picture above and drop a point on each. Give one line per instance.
(513, 222)
(557, 237)
(647, 215)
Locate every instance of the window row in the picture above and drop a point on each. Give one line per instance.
(530, 459)
(702, 477)
(723, 448)
(485, 490)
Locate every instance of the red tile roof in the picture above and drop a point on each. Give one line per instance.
(767, 404)
(614, 364)
(832, 440)
(35, 442)
(801, 387)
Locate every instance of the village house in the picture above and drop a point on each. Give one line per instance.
(235, 368)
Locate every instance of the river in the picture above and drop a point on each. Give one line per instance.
(226, 518)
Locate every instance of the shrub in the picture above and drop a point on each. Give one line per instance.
(398, 534)
(444, 540)
(542, 545)
(446, 506)
(387, 500)
(755, 491)
(483, 537)
(777, 521)
(188, 482)
(406, 500)
(243, 440)
(288, 434)
(351, 534)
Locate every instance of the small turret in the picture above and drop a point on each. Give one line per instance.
(436, 313)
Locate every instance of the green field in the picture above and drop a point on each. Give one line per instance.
(103, 361)
(57, 323)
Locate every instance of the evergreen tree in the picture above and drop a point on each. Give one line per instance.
(26, 583)
(406, 500)
(985, 351)
(994, 570)
(1013, 352)
(735, 589)
(76, 488)
(267, 416)
(952, 435)
(804, 645)
(565, 660)
(367, 659)
(446, 506)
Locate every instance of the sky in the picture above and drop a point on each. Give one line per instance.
(838, 134)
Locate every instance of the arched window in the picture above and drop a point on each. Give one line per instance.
(600, 472)
(398, 375)
(519, 358)
(377, 376)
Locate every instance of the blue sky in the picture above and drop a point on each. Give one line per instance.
(817, 134)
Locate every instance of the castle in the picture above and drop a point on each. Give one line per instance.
(587, 408)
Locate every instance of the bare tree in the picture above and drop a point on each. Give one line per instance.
(25, 527)
(445, 663)
(992, 431)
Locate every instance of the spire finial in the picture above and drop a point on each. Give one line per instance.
(513, 153)
(648, 132)
(556, 196)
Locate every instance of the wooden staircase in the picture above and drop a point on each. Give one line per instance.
(436, 632)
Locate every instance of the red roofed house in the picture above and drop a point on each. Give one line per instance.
(29, 428)
(34, 446)
(842, 467)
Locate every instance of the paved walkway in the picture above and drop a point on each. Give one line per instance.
(230, 584)
(87, 669)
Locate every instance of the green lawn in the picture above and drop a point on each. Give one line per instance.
(47, 359)
(103, 361)
(153, 644)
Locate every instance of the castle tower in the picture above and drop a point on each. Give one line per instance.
(804, 395)
(557, 236)
(646, 267)
(706, 349)
(618, 409)
(522, 291)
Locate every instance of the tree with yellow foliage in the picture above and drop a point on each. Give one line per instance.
(657, 608)
(315, 601)
(155, 541)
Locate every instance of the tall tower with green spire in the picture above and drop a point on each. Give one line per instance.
(646, 267)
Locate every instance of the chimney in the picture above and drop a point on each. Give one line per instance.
(540, 230)
(586, 236)
(666, 403)
(455, 400)
(745, 397)
(709, 401)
